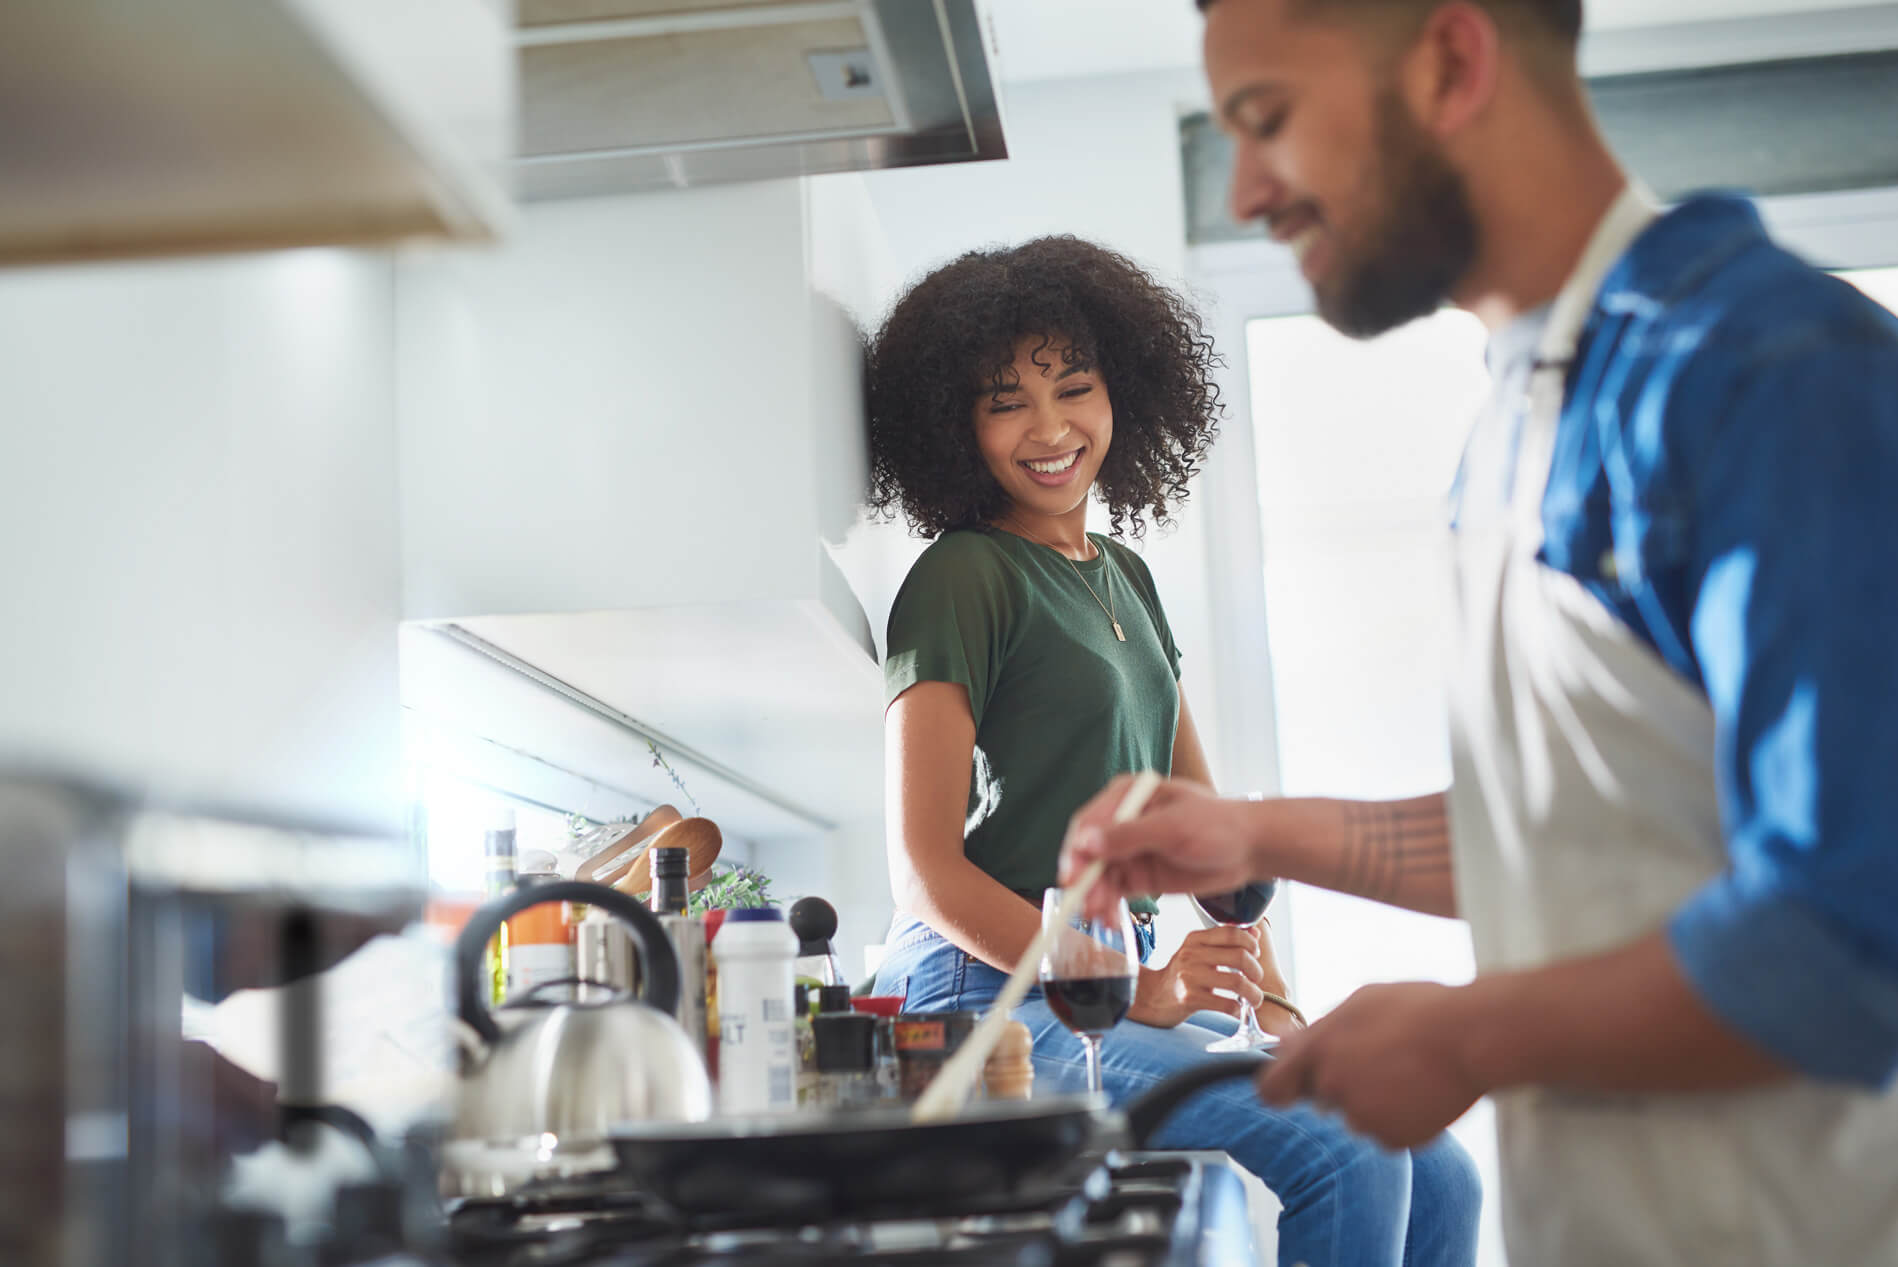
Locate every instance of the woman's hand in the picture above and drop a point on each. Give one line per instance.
(1273, 1019)
(1166, 996)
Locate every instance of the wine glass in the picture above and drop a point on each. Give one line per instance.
(1239, 908)
(1088, 971)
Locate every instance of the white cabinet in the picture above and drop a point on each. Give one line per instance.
(187, 126)
(625, 437)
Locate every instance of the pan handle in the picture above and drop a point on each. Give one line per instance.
(1146, 1114)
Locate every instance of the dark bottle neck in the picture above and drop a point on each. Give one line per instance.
(669, 882)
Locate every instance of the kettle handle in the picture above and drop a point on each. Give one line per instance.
(656, 956)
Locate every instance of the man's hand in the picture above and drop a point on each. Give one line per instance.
(1187, 840)
(1390, 1060)
(1166, 996)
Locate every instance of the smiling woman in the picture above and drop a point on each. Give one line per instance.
(1092, 317)
(1031, 661)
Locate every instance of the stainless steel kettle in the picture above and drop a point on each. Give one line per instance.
(537, 1102)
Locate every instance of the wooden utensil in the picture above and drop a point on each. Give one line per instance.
(699, 837)
(957, 1077)
(610, 863)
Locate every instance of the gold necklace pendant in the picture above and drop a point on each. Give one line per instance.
(1106, 580)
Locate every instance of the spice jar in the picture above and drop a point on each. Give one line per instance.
(924, 1040)
(846, 1059)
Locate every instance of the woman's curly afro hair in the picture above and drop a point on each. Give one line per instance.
(951, 339)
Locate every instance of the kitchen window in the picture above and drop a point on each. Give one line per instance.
(455, 817)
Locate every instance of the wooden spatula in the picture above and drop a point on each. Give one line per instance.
(611, 863)
(699, 837)
(950, 1088)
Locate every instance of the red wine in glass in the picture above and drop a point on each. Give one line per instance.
(1239, 908)
(1088, 971)
(1089, 1005)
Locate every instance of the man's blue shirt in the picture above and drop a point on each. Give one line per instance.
(1725, 479)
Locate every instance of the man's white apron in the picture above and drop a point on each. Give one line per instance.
(1583, 813)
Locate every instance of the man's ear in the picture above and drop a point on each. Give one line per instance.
(1452, 68)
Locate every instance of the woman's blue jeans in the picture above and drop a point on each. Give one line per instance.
(1346, 1200)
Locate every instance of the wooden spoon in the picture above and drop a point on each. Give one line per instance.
(611, 862)
(953, 1082)
(699, 837)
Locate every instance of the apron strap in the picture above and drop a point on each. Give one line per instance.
(1630, 214)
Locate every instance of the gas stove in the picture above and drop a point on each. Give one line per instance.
(1122, 1210)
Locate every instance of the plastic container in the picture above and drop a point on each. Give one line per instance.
(540, 939)
(757, 1056)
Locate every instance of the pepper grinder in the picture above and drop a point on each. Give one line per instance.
(814, 921)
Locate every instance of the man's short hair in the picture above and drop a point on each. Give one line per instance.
(1559, 18)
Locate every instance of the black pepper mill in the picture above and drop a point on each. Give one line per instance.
(815, 922)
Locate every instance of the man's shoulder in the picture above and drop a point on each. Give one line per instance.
(1707, 278)
(1708, 312)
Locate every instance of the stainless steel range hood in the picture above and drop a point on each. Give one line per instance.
(621, 95)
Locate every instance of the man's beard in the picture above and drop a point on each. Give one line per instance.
(1421, 243)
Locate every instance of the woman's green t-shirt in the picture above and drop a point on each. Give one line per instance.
(1061, 706)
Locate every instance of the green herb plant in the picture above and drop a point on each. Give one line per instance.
(732, 887)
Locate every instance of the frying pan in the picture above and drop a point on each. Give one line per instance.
(869, 1160)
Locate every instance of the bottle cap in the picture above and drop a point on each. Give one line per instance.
(833, 998)
(669, 863)
(755, 915)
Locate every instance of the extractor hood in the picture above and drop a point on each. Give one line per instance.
(621, 95)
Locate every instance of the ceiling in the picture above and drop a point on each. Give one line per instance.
(1059, 39)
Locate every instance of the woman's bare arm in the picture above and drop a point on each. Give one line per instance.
(929, 755)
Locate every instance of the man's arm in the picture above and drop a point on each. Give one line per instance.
(1401, 1062)
(1622, 1020)
(1189, 841)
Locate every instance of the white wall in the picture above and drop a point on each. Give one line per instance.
(198, 568)
(610, 410)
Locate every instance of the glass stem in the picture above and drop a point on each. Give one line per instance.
(1093, 1044)
(1248, 1019)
